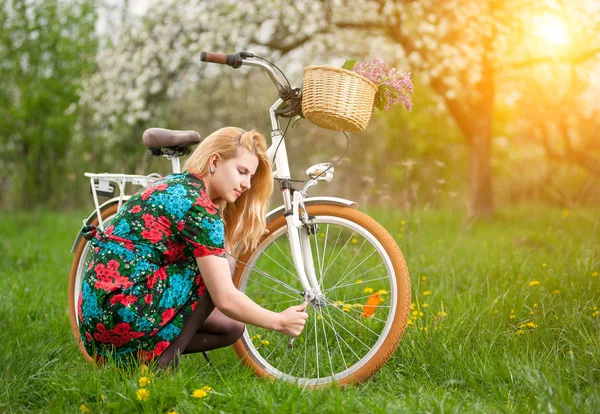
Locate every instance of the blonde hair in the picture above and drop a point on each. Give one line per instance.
(245, 219)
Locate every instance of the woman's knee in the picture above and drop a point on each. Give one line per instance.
(235, 330)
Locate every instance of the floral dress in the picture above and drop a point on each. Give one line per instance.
(142, 279)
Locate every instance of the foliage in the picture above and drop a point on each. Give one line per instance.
(45, 49)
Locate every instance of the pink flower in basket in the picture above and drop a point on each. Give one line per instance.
(392, 86)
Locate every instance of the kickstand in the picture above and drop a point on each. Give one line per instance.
(207, 359)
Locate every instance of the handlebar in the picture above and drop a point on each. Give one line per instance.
(237, 60)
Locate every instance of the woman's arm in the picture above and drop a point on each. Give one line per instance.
(235, 304)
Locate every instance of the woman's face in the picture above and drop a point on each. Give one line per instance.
(232, 177)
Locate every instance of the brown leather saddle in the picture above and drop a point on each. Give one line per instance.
(161, 141)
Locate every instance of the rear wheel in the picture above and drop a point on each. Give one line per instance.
(78, 268)
(364, 278)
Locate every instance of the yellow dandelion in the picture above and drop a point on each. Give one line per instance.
(338, 303)
(556, 292)
(595, 313)
(265, 342)
(354, 241)
(368, 290)
(511, 317)
(535, 306)
(427, 293)
(412, 306)
(172, 412)
(409, 322)
(523, 326)
(442, 314)
(534, 283)
(512, 311)
(144, 381)
(424, 328)
(319, 317)
(382, 292)
(357, 305)
(424, 278)
(426, 305)
(532, 313)
(594, 274)
(399, 235)
(402, 222)
(347, 308)
(142, 394)
(199, 394)
(415, 313)
(321, 234)
(565, 213)
(358, 281)
(520, 332)
(531, 325)
(543, 264)
(84, 409)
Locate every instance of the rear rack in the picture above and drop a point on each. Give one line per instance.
(100, 184)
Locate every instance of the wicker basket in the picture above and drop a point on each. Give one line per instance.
(337, 99)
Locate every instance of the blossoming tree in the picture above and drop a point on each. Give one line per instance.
(459, 47)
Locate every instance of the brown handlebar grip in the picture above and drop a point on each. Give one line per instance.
(212, 57)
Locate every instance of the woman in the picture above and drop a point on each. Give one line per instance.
(161, 267)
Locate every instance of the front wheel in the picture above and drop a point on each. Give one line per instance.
(365, 281)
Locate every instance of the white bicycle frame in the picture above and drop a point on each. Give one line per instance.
(293, 204)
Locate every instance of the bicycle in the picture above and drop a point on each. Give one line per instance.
(320, 249)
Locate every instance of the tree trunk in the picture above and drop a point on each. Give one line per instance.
(480, 171)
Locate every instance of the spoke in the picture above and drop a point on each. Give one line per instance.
(317, 347)
(354, 256)
(327, 345)
(337, 337)
(351, 334)
(358, 298)
(282, 252)
(283, 301)
(324, 255)
(334, 246)
(342, 338)
(278, 264)
(341, 250)
(269, 287)
(318, 256)
(276, 347)
(274, 279)
(344, 274)
(362, 324)
(357, 283)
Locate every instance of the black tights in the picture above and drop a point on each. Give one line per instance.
(207, 328)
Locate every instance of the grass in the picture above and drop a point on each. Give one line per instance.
(505, 318)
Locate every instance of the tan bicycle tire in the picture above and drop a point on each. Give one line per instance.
(402, 277)
(106, 213)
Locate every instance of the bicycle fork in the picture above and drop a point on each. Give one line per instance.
(299, 232)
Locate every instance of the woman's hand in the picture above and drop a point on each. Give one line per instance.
(292, 320)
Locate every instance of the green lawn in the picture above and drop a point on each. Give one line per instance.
(505, 319)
